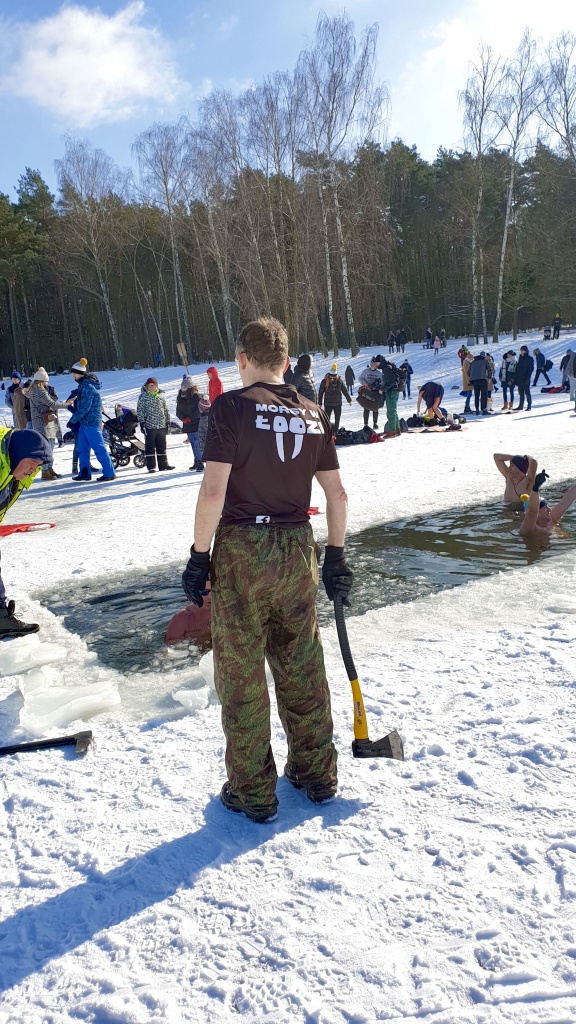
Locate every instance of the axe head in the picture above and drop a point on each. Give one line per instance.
(83, 741)
(388, 746)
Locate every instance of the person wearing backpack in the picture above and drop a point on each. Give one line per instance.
(392, 380)
(331, 389)
(540, 366)
(408, 371)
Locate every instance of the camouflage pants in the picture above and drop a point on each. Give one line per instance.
(264, 582)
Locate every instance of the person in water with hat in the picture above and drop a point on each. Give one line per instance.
(22, 452)
(539, 519)
(514, 469)
(88, 417)
(331, 389)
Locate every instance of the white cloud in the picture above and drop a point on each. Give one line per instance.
(228, 26)
(424, 93)
(89, 68)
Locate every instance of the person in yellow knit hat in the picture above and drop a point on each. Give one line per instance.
(88, 417)
(22, 452)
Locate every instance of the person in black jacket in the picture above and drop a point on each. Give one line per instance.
(331, 390)
(349, 377)
(187, 410)
(408, 371)
(303, 380)
(540, 367)
(523, 376)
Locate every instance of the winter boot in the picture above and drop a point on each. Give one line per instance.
(200, 467)
(260, 813)
(318, 792)
(194, 467)
(49, 474)
(82, 475)
(11, 627)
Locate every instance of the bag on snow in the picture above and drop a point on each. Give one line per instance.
(548, 365)
(346, 437)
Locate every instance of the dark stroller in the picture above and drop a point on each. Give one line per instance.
(122, 441)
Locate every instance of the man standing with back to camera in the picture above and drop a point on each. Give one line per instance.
(265, 444)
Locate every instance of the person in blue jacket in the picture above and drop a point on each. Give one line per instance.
(88, 416)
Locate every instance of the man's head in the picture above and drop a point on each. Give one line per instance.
(80, 369)
(151, 385)
(375, 363)
(27, 450)
(518, 467)
(523, 350)
(15, 378)
(544, 518)
(263, 344)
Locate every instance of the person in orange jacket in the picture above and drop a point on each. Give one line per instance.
(215, 385)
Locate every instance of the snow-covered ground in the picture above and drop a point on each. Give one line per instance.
(441, 889)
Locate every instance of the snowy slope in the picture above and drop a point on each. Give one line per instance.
(441, 889)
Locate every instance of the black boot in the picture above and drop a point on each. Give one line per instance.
(82, 475)
(10, 626)
(194, 467)
(200, 467)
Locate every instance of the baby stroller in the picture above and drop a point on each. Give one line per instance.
(120, 433)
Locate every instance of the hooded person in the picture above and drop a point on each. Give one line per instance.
(22, 452)
(154, 419)
(187, 410)
(331, 390)
(44, 415)
(88, 417)
(568, 369)
(215, 385)
(302, 378)
(204, 410)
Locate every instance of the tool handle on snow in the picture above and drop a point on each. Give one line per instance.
(80, 740)
(343, 639)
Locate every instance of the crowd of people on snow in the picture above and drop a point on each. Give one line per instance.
(35, 405)
(252, 536)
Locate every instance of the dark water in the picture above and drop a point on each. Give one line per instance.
(124, 620)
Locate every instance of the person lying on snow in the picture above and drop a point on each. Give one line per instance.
(539, 519)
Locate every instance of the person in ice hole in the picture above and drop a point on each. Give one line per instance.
(539, 519)
(514, 469)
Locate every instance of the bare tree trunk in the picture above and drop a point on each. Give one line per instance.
(328, 269)
(345, 283)
(503, 250)
(14, 323)
(224, 288)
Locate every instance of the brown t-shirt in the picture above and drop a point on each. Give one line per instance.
(275, 441)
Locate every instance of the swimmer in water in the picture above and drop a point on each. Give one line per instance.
(514, 469)
(539, 519)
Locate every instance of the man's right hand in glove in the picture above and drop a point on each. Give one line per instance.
(195, 575)
(337, 576)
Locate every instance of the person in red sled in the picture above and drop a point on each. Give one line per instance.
(215, 385)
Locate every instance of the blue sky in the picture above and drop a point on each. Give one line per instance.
(106, 71)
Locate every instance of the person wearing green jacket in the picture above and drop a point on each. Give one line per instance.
(22, 452)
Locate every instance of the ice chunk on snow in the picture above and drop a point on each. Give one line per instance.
(36, 679)
(28, 652)
(57, 706)
(193, 700)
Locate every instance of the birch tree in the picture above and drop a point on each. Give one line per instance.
(342, 107)
(481, 130)
(89, 180)
(518, 99)
(558, 110)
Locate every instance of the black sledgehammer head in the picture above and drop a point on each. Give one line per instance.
(388, 746)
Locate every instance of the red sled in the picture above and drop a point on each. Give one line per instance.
(5, 531)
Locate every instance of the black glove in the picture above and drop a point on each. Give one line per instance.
(195, 575)
(337, 575)
(142, 428)
(540, 478)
